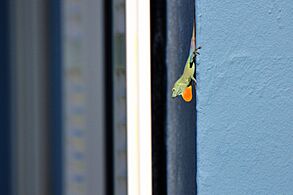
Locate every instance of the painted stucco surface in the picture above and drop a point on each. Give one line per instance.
(245, 97)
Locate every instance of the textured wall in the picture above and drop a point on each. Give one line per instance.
(245, 97)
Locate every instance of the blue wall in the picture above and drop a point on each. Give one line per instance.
(245, 97)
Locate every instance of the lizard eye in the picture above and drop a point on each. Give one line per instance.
(173, 89)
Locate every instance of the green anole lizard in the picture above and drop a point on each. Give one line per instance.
(188, 75)
(183, 86)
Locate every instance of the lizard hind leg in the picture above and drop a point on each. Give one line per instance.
(192, 78)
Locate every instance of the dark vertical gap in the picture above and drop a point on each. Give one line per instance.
(5, 168)
(55, 97)
(158, 91)
(194, 23)
(108, 63)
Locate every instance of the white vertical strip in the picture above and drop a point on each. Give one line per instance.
(138, 97)
(132, 100)
(144, 97)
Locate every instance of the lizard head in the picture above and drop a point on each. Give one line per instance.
(177, 89)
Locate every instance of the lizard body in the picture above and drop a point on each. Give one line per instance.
(187, 77)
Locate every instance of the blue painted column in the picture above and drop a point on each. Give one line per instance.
(245, 97)
(180, 116)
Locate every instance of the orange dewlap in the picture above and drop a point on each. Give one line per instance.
(187, 94)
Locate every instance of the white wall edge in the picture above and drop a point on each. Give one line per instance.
(139, 162)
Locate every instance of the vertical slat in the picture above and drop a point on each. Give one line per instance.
(55, 89)
(5, 133)
(159, 79)
(132, 99)
(181, 116)
(144, 97)
(29, 96)
(108, 90)
(83, 99)
(138, 97)
(119, 97)
(93, 73)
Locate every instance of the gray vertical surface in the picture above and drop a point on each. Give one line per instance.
(29, 97)
(83, 73)
(181, 116)
(119, 98)
(93, 59)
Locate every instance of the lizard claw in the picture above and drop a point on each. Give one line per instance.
(197, 50)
